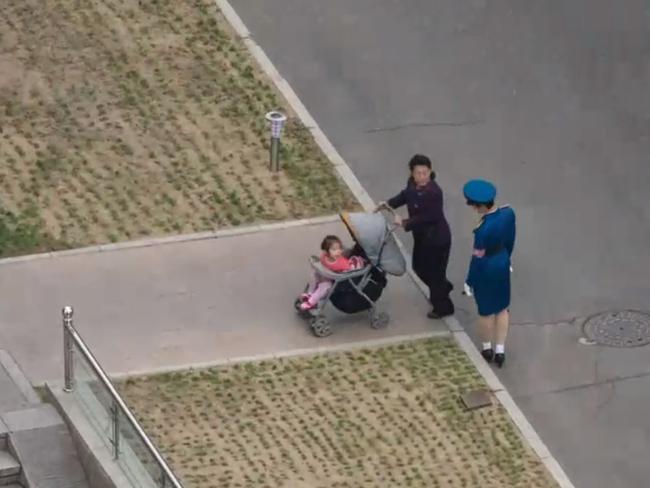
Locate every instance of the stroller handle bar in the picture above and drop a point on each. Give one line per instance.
(383, 206)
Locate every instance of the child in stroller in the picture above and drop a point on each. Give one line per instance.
(333, 258)
(354, 279)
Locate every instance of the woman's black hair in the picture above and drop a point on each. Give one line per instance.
(329, 241)
(421, 160)
(488, 205)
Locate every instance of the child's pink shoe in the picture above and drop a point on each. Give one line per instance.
(304, 297)
(306, 305)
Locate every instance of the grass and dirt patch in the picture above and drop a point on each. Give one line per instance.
(124, 118)
(386, 417)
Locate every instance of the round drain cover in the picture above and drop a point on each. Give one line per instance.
(619, 329)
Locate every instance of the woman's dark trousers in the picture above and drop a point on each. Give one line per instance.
(430, 264)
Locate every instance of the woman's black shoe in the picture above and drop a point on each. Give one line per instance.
(499, 359)
(435, 315)
(488, 354)
(442, 310)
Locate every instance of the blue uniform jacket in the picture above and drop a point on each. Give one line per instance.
(494, 241)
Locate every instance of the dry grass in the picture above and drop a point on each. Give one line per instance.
(387, 417)
(127, 118)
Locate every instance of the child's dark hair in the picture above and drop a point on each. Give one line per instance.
(329, 241)
(421, 160)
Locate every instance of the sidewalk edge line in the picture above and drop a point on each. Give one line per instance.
(290, 353)
(175, 239)
(457, 331)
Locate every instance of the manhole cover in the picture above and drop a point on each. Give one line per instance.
(619, 329)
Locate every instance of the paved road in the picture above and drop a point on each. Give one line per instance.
(548, 99)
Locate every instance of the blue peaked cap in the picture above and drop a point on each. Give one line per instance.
(480, 191)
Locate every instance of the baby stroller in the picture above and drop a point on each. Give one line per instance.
(358, 290)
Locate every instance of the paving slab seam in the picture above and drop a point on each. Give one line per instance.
(288, 354)
(176, 239)
(584, 386)
(368, 204)
(17, 376)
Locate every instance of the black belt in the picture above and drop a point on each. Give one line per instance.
(491, 251)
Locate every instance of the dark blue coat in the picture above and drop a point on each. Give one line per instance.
(489, 269)
(426, 215)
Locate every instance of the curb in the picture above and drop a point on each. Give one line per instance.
(301, 111)
(344, 171)
(176, 239)
(291, 353)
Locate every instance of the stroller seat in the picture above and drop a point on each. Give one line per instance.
(331, 275)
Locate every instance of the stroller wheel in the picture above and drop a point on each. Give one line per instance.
(321, 327)
(379, 320)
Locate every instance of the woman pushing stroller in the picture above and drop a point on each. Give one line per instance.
(431, 234)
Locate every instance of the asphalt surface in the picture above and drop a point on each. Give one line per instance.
(547, 99)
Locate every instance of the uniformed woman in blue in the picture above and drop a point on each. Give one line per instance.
(489, 270)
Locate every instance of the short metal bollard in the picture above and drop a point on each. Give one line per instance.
(277, 120)
(68, 351)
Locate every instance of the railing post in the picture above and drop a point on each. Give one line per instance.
(68, 351)
(115, 420)
(73, 343)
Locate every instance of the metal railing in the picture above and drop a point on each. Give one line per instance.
(118, 409)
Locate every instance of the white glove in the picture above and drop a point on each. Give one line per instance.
(511, 268)
(467, 290)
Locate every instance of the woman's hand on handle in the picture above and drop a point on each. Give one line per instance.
(381, 206)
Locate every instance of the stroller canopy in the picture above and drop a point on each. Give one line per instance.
(371, 232)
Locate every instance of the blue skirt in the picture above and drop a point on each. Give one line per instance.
(492, 285)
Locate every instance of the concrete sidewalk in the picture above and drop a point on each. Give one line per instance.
(184, 303)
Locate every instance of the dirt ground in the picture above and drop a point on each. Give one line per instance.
(386, 417)
(124, 118)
